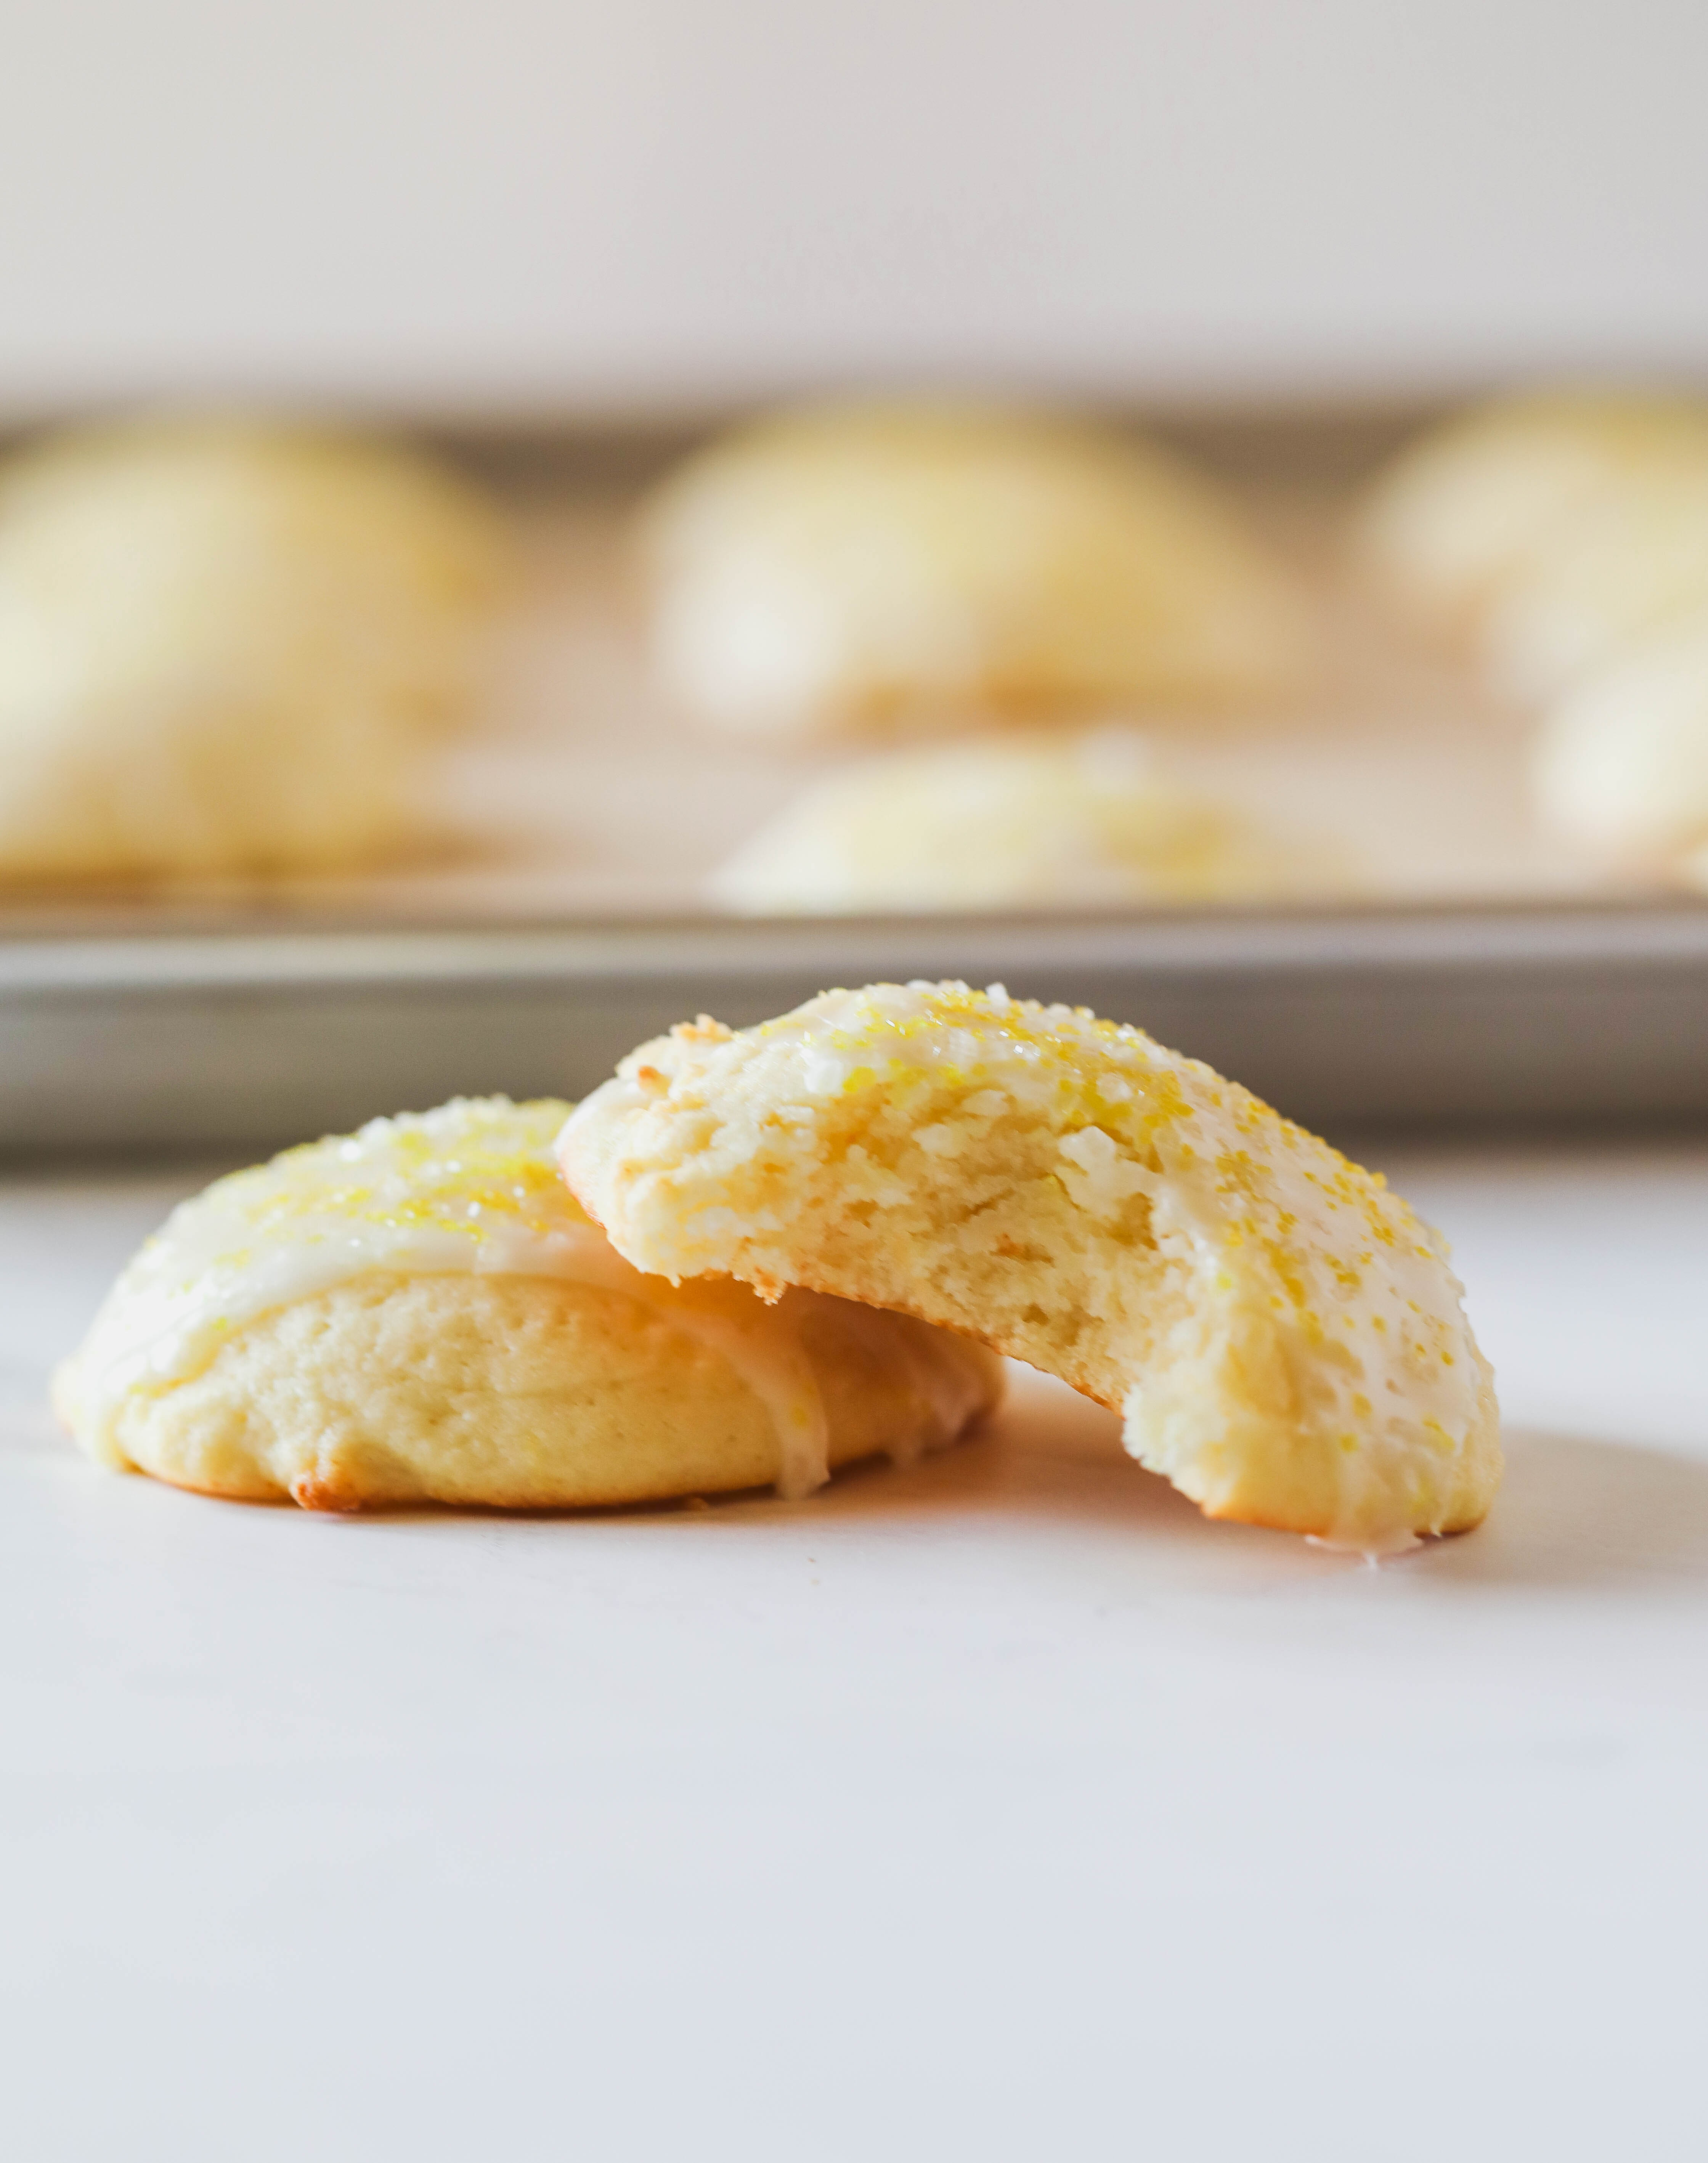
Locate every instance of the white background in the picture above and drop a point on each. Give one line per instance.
(551, 203)
(1003, 1811)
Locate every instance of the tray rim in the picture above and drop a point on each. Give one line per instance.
(1452, 933)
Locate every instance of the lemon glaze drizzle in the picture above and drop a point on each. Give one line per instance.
(470, 1187)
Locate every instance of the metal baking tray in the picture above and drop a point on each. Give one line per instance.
(1498, 993)
(216, 1039)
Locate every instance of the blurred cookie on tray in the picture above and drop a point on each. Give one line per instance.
(1562, 537)
(892, 568)
(224, 642)
(1090, 820)
(1620, 764)
(1612, 573)
(1464, 514)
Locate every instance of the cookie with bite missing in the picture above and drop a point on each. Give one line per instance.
(1284, 1338)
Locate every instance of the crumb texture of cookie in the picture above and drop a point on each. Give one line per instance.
(1468, 509)
(420, 1311)
(222, 643)
(1036, 821)
(1284, 1337)
(896, 567)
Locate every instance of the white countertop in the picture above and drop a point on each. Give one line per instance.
(999, 1809)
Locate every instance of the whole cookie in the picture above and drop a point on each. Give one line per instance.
(1468, 509)
(1061, 820)
(420, 1313)
(892, 568)
(1613, 576)
(221, 641)
(1619, 763)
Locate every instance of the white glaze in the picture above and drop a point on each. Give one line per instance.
(470, 1186)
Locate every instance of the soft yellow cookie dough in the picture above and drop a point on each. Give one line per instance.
(420, 1313)
(1284, 1336)
(891, 567)
(220, 643)
(1088, 821)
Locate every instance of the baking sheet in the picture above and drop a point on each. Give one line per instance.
(581, 792)
(1426, 1017)
(587, 793)
(561, 917)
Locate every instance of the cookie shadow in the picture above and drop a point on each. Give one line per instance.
(1577, 1512)
(1047, 1453)
(1574, 1511)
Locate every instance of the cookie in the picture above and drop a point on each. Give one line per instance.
(420, 1312)
(1087, 820)
(1612, 576)
(220, 642)
(1464, 512)
(1284, 1338)
(1620, 764)
(892, 568)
